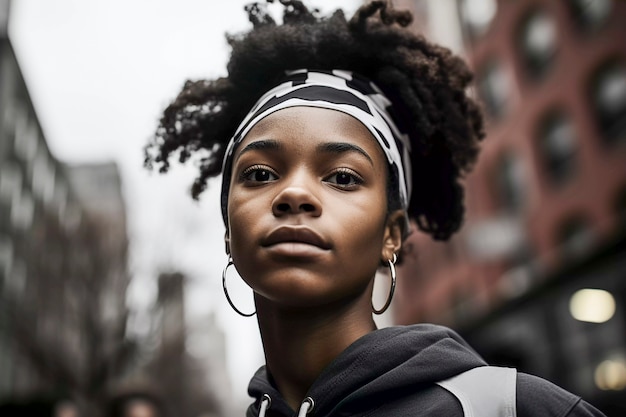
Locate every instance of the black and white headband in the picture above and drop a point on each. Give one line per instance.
(336, 90)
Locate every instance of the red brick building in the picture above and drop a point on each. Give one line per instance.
(546, 202)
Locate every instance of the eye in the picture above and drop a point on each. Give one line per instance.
(345, 179)
(258, 173)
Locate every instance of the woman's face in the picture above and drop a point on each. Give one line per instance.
(307, 208)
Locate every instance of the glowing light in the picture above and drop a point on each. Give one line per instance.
(591, 305)
(479, 13)
(611, 375)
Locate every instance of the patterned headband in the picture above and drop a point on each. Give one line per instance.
(336, 90)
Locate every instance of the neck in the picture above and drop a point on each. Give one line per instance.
(299, 344)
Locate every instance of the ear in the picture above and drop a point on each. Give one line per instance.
(392, 238)
(227, 243)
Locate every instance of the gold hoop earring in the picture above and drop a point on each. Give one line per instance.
(392, 269)
(241, 313)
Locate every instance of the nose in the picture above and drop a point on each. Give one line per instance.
(296, 198)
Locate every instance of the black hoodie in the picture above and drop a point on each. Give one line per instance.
(394, 371)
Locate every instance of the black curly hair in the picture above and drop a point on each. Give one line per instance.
(425, 82)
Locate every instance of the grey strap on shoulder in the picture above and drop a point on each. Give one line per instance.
(486, 391)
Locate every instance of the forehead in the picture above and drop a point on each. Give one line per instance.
(304, 126)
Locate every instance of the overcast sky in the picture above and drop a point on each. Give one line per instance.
(99, 73)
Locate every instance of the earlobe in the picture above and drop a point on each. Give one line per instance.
(227, 243)
(392, 241)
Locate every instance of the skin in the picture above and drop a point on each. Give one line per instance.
(308, 228)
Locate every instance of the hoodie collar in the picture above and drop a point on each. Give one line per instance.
(374, 369)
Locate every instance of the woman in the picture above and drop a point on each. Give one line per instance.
(330, 135)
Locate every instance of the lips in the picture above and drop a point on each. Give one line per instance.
(295, 234)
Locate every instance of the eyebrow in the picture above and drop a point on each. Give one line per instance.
(342, 147)
(267, 144)
(328, 147)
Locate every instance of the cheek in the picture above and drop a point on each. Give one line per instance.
(359, 250)
(241, 231)
(241, 219)
(363, 227)
(247, 215)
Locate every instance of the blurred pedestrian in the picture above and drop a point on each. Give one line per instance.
(135, 404)
(65, 408)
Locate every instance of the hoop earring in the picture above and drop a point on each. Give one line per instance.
(230, 262)
(392, 269)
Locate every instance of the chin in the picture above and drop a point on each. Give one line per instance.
(298, 289)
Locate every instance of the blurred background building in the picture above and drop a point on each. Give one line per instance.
(536, 278)
(190, 365)
(64, 277)
(63, 259)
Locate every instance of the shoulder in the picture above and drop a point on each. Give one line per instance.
(491, 391)
(539, 397)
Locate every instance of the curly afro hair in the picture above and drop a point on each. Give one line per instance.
(425, 82)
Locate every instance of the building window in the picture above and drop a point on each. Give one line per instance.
(72, 217)
(590, 14)
(6, 258)
(574, 237)
(9, 117)
(26, 141)
(49, 184)
(10, 181)
(494, 88)
(15, 282)
(477, 15)
(510, 183)
(23, 211)
(558, 147)
(537, 42)
(60, 197)
(43, 177)
(608, 98)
